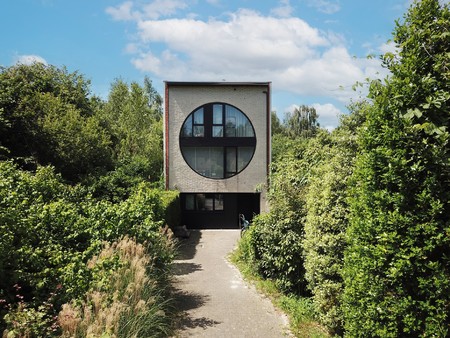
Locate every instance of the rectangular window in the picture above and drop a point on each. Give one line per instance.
(218, 202)
(190, 202)
(217, 131)
(198, 126)
(204, 202)
(217, 114)
(231, 165)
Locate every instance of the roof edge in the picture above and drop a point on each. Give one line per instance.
(224, 83)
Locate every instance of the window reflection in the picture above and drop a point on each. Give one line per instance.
(217, 140)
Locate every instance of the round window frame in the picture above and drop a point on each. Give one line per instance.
(250, 141)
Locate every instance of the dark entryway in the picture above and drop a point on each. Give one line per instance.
(217, 211)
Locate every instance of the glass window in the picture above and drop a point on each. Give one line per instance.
(187, 127)
(231, 161)
(200, 202)
(204, 202)
(217, 131)
(237, 124)
(190, 202)
(230, 126)
(198, 116)
(209, 202)
(205, 161)
(245, 155)
(199, 131)
(220, 150)
(217, 114)
(218, 202)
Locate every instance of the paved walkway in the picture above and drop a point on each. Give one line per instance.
(212, 295)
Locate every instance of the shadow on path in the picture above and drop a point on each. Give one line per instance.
(186, 301)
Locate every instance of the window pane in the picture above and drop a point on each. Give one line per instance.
(244, 156)
(199, 131)
(217, 114)
(230, 126)
(190, 202)
(216, 162)
(231, 161)
(217, 131)
(238, 124)
(218, 202)
(187, 127)
(207, 161)
(209, 202)
(200, 199)
(198, 116)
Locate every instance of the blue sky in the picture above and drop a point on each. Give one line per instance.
(312, 51)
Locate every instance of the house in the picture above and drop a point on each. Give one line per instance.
(217, 150)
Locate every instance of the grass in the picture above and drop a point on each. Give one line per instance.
(126, 302)
(300, 310)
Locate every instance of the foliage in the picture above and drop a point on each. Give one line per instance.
(327, 220)
(277, 238)
(397, 270)
(127, 301)
(302, 122)
(133, 117)
(46, 117)
(50, 230)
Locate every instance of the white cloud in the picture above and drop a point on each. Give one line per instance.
(328, 115)
(30, 59)
(284, 10)
(153, 10)
(159, 8)
(123, 12)
(248, 46)
(325, 6)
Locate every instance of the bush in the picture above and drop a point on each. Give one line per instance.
(327, 220)
(49, 231)
(397, 265)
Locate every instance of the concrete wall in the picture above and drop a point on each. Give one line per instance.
(182, 99)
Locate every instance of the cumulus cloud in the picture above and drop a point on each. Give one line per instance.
(123, 12)
(153, 10)
(284, 10)
(30, 59)
(325, 6)
(246, 45)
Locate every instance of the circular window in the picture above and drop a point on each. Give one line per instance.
(217, 140)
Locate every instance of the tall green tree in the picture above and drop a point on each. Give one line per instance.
(397, 266)
(302, 122)
(326, 219)
(133, 116)
(46, 118)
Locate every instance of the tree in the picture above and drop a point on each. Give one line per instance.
(326, 219)
(46, 118)
(302, 122)
(397, 265)
(133, 117)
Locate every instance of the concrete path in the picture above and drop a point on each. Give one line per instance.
(212, 295)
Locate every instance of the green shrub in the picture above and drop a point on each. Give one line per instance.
(49, 231)
(327, 220)
(397, 265)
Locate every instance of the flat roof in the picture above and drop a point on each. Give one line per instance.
(223, 83)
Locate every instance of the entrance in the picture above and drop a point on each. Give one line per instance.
(217, 211)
